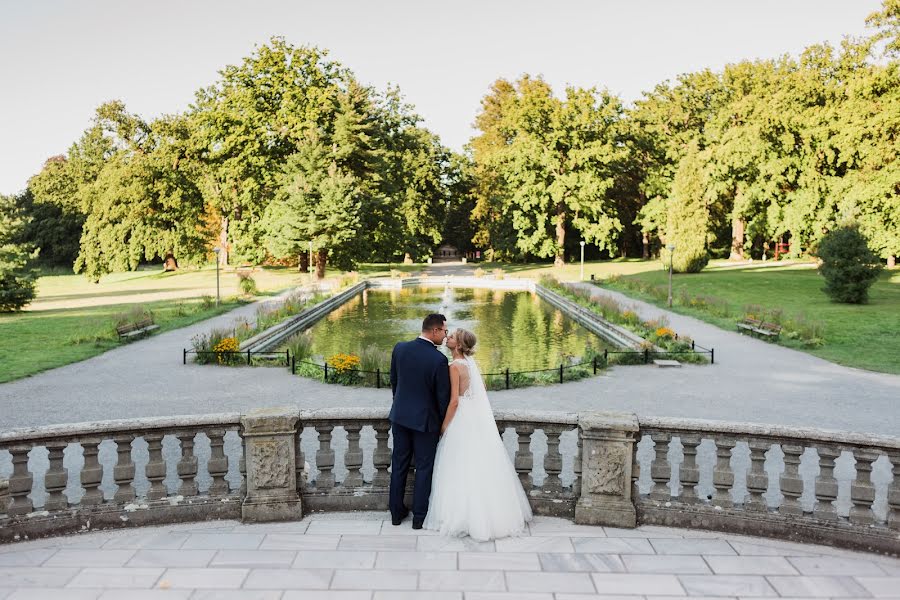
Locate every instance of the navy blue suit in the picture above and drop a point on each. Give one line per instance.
(420, 381)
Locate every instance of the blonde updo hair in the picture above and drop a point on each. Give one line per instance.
(465, 341)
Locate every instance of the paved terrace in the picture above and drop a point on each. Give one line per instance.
(360, 556)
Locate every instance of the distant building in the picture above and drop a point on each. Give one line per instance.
(447, 253)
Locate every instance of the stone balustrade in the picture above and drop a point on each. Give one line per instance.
(805, 484)
(596, 468)
(120, 473)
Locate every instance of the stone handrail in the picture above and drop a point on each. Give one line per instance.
(69, 494)
(597, 468)
(732, 490)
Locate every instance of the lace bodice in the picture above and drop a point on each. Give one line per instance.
(464, 377)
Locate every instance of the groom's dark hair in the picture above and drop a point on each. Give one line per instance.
(433, 320)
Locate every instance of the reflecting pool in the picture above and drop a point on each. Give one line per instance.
(515, 329)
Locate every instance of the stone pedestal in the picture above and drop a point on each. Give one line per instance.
(608, 447)
(270, 442)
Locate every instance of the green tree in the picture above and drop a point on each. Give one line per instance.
(18, 277)
(687, 214)
(848, 265)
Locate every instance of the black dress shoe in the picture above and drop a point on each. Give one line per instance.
(396, 520)
(417, 523)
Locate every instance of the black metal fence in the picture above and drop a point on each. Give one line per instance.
(505, 379)
(233, 357)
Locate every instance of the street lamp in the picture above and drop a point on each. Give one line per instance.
(582, 260)
(671, 248)
(217, 250)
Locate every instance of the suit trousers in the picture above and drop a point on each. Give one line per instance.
(409, 443)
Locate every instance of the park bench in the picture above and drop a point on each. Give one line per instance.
(759, 328)
(130, 331)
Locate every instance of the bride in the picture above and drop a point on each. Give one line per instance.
(475, 488)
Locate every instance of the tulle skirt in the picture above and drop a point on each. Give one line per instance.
(475, 489)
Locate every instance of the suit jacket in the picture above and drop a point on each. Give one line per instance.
(420, 381)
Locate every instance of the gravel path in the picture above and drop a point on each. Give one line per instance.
(752, 380)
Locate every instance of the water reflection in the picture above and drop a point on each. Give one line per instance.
(515, 330)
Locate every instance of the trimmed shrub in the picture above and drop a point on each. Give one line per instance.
(848, 265)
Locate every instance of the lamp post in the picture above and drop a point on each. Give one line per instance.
(582, 260)
(671, 248)
(217, 250)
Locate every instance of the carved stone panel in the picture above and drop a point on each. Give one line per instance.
(606, 470)
(270, 464)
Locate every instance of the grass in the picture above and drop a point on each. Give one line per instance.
(73, 319)
(863, 336)
(34, 341)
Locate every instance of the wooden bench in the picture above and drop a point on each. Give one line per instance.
(760, 328)
(131, 331)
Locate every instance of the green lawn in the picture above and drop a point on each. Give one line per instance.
(73, 319)
(865, 336)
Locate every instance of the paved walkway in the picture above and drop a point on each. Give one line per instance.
(360, 556)
(751, 381)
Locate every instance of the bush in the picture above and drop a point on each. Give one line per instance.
(373, 358)
(205, 345)
(133, 315)
(247, 283)
(848, 265)
(300, 345)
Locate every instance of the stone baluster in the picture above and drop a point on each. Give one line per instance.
(301, 460)
(91, 473)
(325, 457)
(893, 519)
(552, 461)
(20, 482)
(757, 478)
(862, 492)
(156, 467)
(576, 465)
(56, 477)
(688, 472)
(187, 466)
(660, 469)
(242, 469)
(826, 484)
(723, 476)
(790, 482)
(218, 463)
(636, 467)
(123, 472)
(524, 457)
(4, 496)
(353, 457)
(381, 457)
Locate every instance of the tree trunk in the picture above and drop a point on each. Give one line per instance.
(737, 238)
(303, 266)
(407, 259)
(891, 261)
(321, 258)
(560, 235)
(223, 242)
(170, 263)
(645, 241)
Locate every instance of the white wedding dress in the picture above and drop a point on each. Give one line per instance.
(475, 490)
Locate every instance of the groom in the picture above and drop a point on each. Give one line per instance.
(420, 381)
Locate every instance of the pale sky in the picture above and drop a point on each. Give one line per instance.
(60, 59)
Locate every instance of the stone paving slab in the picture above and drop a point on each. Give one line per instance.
(362, 559)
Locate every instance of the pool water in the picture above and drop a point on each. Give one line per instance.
(515, 329)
